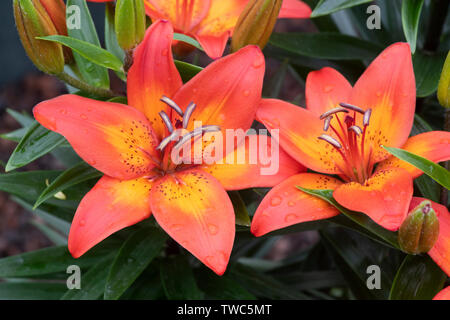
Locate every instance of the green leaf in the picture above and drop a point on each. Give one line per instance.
(54, 236)
(418, 278)
(31, 290)
(411, 10)
(427, 70)
(240, 210)
(357, 217)
(92, 283)
(353, 253)
(325, 7)
(49, 260)
(24, 119)
(37, 142)
(187, 70)
(134, 256)
(178, 279)
(188, 40)
(91, 73)
(333, 46)
(88, 51)
(15, 135)
(433, 170)
(73, 176)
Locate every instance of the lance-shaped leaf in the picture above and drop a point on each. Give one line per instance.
(325, 7)
(37, 142)
(418, 278)
(188, 40)
(73, 176)
(89, 51)
(411, 10)
(134, 256)
(435, 171)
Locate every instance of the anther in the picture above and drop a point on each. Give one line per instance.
(172, 104)
(356, 129)
(327, 123)
(196, 132)
(366, 118)
(166, 141)
(187, 115)
(351, 107)
(166, 121)
(332, 111)
(330, 140)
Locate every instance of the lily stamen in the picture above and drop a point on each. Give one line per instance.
(327, 122)
(187, 115)
(172, 104)
(351, 107)
(332, 111)
(356, 129)
(165, 118)
(330, 140)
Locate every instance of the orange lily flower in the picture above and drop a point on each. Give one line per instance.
(440, 252)
(211, 22)
(340, 133)
(128, 144)
(444, 294)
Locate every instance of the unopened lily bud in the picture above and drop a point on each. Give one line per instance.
(420, 230)
(130, 23)
(443, 91)
(32, 20)
(255, 24)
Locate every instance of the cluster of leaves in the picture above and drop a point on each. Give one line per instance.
(141, 263)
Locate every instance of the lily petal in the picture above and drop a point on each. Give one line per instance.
(153, 74)
(286, 205)
(325, 89)
(440, 252)
(227, 91)
(253, 164)
(219, 25)
(384, 197)
(434, 146)
(388, 88)
(299, 130)
(185, 15)
(444, 294)
(113, 138)
(110, 206)
(194, 209)
(294, 9)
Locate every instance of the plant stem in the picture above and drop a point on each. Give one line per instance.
(439, 10)
(101, 92)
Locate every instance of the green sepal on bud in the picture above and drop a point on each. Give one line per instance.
(130, 23)
(256, 23)
(443, 91)
(32, 20)
(420, 230)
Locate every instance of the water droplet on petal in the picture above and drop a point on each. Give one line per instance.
(165, 52)
(63, 111)
(328, 89)
(290, 217)
(213, 229)
(83, 116)
(388, 198)
(82, 223)
(291, 203)
(246, 93)
(258, 63)
(275, 201)
(176, 227)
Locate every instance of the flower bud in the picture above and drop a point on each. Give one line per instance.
(255, 24)
(420, 230)
(130, 23)
(443, 91)
(56, 9)
(32, 20)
